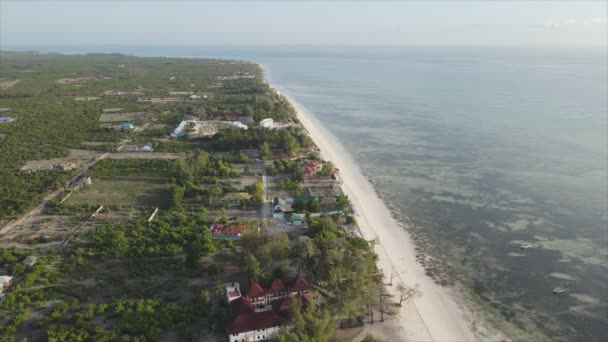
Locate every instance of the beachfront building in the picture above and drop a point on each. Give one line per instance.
(311, 168)
(267, 123)
(259, 313)
(6, 119)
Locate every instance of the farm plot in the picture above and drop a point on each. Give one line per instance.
(75, 159)
(121, 192)
(118, 117)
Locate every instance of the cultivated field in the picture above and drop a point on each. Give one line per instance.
(137, 192)
(118, 117)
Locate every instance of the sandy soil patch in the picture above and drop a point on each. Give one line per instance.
(82, 80)
(5, 84)
(118, 117)
(77, 157)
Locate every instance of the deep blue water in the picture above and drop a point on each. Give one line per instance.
(482, 149)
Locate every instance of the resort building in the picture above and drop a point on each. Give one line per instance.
(259, 313)
(267, 123)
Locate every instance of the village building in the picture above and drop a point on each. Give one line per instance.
(267, 123)
(126, 125)
(64, 166)
(143, 99)
(30, 261)
(311, 168)
(259, 313)
(236, 199)
(295, 219)
(194, 97)
(225, 231)
(246, 120)
(88, 98)
(282, 206)
(6, 119)
(5, 283)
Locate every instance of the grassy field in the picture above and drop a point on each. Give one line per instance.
(124, 192)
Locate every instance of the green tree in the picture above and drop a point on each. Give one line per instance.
(265, 151)
(312, 324)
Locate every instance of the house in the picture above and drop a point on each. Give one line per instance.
(267, 123)
(172, 78)
(82, 182)
(328, 201)
(230, 116)
(259, 313)
(126, 125)
(295, 219)
(6, 119)
(143, 99)
(194, 97)
(247, 120)
(311, 167)
(249, 152)
(5, 282)
(282, 206)
(236, 199)
(64, 166)
(30, 261)
(146, 148)
(224, 231)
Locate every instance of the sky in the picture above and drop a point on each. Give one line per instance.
(43, 24)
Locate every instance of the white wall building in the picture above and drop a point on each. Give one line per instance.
(267, 123)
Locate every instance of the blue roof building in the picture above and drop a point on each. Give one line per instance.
(127, 125)
(6, 118)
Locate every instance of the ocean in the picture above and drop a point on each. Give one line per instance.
(478, 150)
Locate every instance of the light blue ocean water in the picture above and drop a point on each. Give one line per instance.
(482, 149)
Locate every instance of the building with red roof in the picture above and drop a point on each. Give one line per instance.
(224, 231)
(259, 313)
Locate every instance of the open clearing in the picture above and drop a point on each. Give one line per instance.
(116, 117)
(81, 80)
(79, 157)
(124, 191)
(5, 84)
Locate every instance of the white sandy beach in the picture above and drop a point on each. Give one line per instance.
(435, 315)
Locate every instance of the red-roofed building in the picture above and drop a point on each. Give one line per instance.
(259, 313)
(276, 291)
(311, 168)
(299, 286)
(231, 116)
(257, 295)
(256, 326)
(223, 231)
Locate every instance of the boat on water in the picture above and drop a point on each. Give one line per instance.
(525, 245)
(559, 290)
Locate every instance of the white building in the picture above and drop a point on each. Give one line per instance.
(267, 123)
(194, 97)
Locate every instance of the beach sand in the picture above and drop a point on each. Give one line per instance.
(436, 314)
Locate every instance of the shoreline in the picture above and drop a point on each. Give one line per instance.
(437, 313)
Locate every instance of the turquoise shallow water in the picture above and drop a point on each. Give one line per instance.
(483, 149)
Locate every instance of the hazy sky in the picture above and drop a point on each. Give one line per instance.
(70, 23)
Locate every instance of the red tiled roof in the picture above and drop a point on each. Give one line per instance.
(241, 305)
(299, 284)
(276, 286)
(230, 116)
(255, 291)
(254, 321)
(219, 228)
